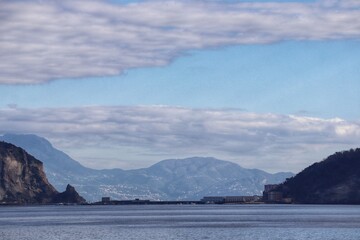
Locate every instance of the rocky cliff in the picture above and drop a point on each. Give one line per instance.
(22, 178)
(69, 196)
(335, 180)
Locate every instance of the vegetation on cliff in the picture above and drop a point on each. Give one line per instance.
(335, 180)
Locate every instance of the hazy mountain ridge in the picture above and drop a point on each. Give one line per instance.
(171, 179)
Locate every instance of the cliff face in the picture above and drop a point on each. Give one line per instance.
(23, 181)
(336, 180)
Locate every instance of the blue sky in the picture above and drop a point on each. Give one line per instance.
(282, 73)
(287, 78)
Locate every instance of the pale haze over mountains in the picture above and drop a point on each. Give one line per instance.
(185, 179)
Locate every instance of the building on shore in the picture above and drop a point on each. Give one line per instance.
(105, 200)
(270, 187)
(242, 199)
(213, 200)
(137, 201)
(204, 200)
(272, 195)
(230, 199)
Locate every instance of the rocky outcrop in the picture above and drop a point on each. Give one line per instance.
(69, 196)
(23, 181)
(336, 180)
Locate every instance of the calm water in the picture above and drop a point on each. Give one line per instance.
(181, 222)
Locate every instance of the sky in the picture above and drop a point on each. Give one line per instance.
(273, 85)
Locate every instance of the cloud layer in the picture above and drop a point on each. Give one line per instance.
(267, 141)
(46, 40)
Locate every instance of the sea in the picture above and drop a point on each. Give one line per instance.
(166, 222)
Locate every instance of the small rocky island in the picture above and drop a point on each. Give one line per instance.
(23, 181)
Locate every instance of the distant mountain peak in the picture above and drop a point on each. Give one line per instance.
(25, 137)
(43, 150)
(31, 140)
(197, 161)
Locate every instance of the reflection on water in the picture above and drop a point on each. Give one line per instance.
(181, 222)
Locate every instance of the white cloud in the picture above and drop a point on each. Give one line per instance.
(46, 40)
(149, 134)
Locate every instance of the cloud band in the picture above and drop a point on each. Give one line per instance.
(266, 141)
(46, 40)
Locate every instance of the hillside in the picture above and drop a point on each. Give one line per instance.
(332, 181)
(193, 178)
(173, 179)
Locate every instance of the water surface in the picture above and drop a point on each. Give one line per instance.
(181, 222)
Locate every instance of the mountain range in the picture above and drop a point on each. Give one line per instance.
(173, 179)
